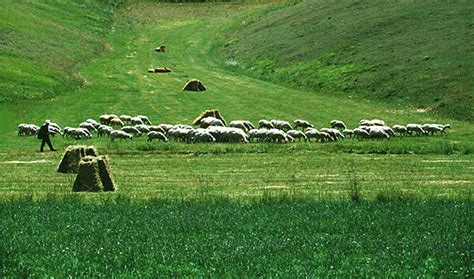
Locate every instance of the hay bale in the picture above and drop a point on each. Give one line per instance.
(213, 112)
(194, 85)
(88, 178)
(73, 155)
(94, 175)
(105, 174)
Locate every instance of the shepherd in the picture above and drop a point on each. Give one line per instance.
(43, 134)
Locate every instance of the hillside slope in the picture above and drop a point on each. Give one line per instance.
(42, 42)
(417, 53)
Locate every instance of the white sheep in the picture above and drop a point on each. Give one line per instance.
(125, 118)
(89, 126)
(277, 135)
(91, 121)
(203, 136)
(400, 129)
(27, 129)
(338, 124)
(144, 129)
(136, 121)
(258, 134)
(104, 130)
(265, 124)
(296, 134)
(210, 121)
(360, 133)
(415, 128)
(144, 119)
(312, 133)
(114, 122)
(242, 124)
(157, 129)
(378, 134)
(156, 135)
(281, 125)
(131, 130)
(118, 134)
(303, 124)
(348, 133)
(335, 133)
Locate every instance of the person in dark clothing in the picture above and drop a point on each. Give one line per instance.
(43, 134)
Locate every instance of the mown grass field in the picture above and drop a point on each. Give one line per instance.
(398, 208)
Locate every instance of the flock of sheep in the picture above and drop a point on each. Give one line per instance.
(212, 129)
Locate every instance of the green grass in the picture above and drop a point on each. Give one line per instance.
(223, 209)
(416, 54)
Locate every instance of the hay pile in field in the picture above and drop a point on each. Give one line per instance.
(94, 175)
(194, 85)
(213, 112)
(73, 155)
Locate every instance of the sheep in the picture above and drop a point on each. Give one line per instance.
(277, 135)
(104, 130)
(373, 122)
(312, 133)
(378, 134)
(435, 128)
(337, 124)
(180, 132)
(27, 129)
(281, 125)
(296, 134)
(203, 136)
(156, 135)
(142, 128)
(125, 118)
(93, 122)
(265, 124)
(348, 133)
(88, 126)
(157, 129)
(120, 135)
(228, 134)
(335, 133)
(326, 137)
(136, 121)
(77, 133)
(165, 127)
(258, 134)
(303, 124)
(55, 126)
(131, 130)
(360, 133)
(115, 122)
(415, 128)
(242, 124)
(144, 119)
(210, 121)
(53, 130)
(107, 118)
(402, 130)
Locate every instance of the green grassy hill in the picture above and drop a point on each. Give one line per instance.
(43, 42)
(416, 53)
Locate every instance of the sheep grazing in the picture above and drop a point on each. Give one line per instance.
(242, 124)
(180, 133)
(303, 124)
(144, 119)
(27, 129)
(435, 128)
(203, 136)
(125, 118)
(277, 135)
(210, 121)
(107, 118)
(337, 124)
(401, 130)
(89, 126)
(156, 135)
(258, 134)
(77, 133)
(373, 122)
(296, 134)
(93, 122)
(335, 133)
(53, 130)
(415, 128)
(227, 134)
(136, 121)
(104, 130)
(157, 129)
(312, 133)
(144, 129)
(378, 134)
(360, 133)
(281, 125)
(265, 124)
(120, 135)
(115, 122)
(348, 133)
(325, 137)
(131, 130)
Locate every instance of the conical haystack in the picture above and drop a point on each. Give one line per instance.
(213, 112)
(194, 85)
(73, 155)
(94, 175)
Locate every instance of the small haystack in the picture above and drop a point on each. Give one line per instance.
(213, 112)
(93, 175)
(194, 85)
(161, 48)
(73, 155)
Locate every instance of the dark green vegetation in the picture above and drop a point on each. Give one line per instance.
(401, 207)
(224, 238)
(412, 53)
